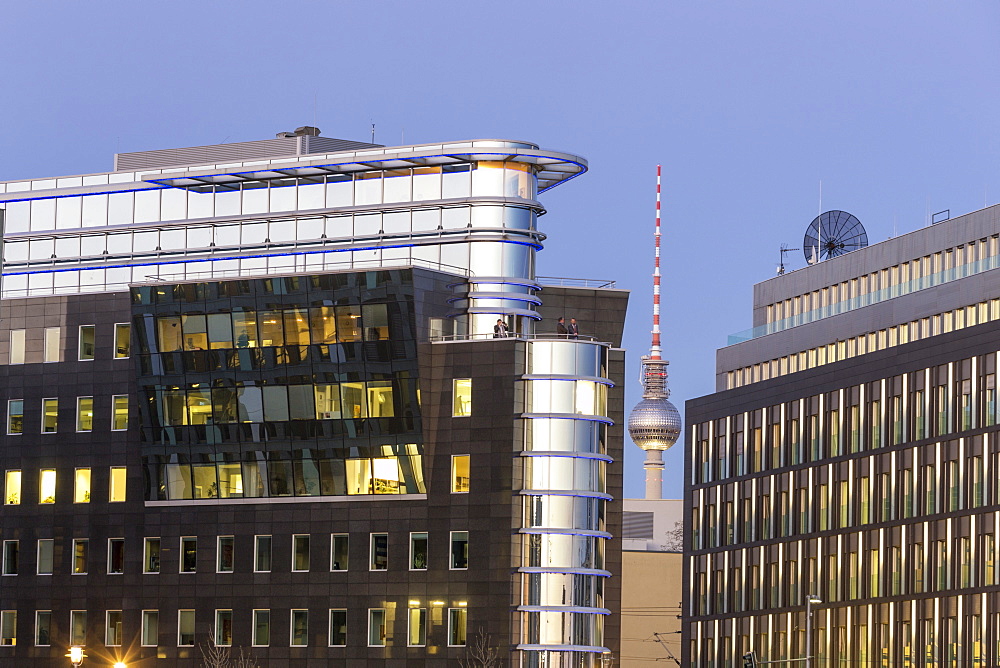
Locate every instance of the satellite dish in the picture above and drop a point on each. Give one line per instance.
(832, 234)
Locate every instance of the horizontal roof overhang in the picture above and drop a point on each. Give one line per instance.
(551, 168)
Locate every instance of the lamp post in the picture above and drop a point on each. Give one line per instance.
(76, 655)
(811, 600)
(119, 664)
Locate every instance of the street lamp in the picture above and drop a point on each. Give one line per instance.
(120, 664)
(811, 600)
(76, 655)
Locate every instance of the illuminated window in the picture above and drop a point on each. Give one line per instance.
(50, 416)
(15, 416)
(116, 489)
(459, 474)
(12, 488)
(47, 486)
(119, 413)
(457, 618)
(417, 627)
(81, 486)
(461, 397)
(123, 336)
(84, 413)
(338, 627)
(86, 349)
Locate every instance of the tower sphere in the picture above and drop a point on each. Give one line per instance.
(654, 424)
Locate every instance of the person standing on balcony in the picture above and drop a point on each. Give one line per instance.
(500, 329)
(561, 329)
(573, 329)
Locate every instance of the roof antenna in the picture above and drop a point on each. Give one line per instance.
(373, 132)
(781, 263)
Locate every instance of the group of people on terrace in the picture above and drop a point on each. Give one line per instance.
(564, 331)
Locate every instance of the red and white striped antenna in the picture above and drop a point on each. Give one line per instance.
(654, 351)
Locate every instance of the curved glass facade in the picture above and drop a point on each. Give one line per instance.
(561, 601)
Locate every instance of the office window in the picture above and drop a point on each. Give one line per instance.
(417, 627)
(189, 554)
(379, 557)
(43, 627)
(86, 351)
(85, 413)
(224, 554)
(77, 627)
(17, 346)
(150, 628)
(223, 628)
(50, 416)
(81, 486)
(262, 554)
(462, 397)
(261, 628)
(113, 629)
(80, 549)
(8, 627)
(123, 340)
(116, 487)
(119, 412)
(338, 551)
(459, 474)
(418, 551)
(300, 552)
(12, 488)
(457, 618)
(376, 627)
(338, 627)
(51, 345)
(299, 628)
(185, 628)
(43, 562)
(15, 416)
(47, 486)
(116, 556)
(459, 550)
(10, 556)
(151, 556)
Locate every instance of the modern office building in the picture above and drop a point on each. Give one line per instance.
(849, 463)
(304, 397)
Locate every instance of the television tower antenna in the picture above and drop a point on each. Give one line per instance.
(655, 424)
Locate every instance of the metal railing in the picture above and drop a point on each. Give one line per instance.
(547, 336)
(558, 281)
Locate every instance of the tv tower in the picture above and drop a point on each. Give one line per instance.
(654, 424)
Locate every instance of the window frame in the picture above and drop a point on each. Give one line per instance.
(451, 625)
(333, 551)
(145, 555)
(46, 500)
(371, 551)
(47, 334)
(77, 488)
(8, 499)
(4, 615)
(451, 551)
(413, 535)
(79, 414)
(113, 486)
(48, 629)
(253, 631)
(296, 537)
(180, 564)
(16, 346)
(44, 409)
(218, 629)
(86, 556)
(257, 553)
(38, 556)
(107, 628)
(457, 409)
(10, 418)
(111, 543)
(114, 415)
(144, 627)
(194, 624)
(329, 638)
(11, 558)
(385, 634)
(454, 477)
(219, 554)
(79, 343)
(291, 626)
(422, 621)
(128, 327)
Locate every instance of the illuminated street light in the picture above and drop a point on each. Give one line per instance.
(811, 600)
(120, 664)
(76, 655)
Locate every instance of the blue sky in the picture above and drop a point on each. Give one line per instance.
(893, 106)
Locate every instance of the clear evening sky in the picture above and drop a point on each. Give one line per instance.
(893, 106)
